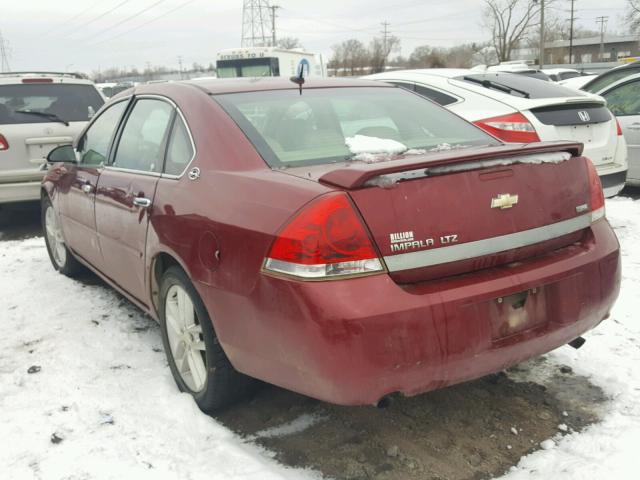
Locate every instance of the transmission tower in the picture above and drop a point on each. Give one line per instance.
(257, 23)
(4, 53)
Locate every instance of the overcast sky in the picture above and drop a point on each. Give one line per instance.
(88, 35)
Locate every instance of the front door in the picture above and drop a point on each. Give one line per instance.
(80, 181)
(624, 103)
(125, 194)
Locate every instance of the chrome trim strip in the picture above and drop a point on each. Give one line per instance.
(487, 246)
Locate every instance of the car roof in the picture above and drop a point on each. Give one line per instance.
(436, 72)
(13, 78)
(238, 85)
(559, 70)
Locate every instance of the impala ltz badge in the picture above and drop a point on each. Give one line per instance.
(403, 241)
(504, 200)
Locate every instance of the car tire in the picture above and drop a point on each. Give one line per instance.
(61, 257)
(201, 367)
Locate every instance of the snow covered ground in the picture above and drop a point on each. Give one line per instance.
(85, 392)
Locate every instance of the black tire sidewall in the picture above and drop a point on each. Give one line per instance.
(71, 265)
(206, 398)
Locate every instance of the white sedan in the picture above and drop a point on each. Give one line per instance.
(517, 108)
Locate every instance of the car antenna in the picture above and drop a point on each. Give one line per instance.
(303, 67)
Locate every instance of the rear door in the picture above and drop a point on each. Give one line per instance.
(79, 184)
(126, 190)
(624, 103)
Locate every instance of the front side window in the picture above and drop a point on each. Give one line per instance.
(142, 140)
(47, 102)
(625, 99)
(180, 150)
(94, 145)
(316, 127)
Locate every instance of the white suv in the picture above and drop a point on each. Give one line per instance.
(38, 111)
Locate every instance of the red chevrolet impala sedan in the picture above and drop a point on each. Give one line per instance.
(347, 240)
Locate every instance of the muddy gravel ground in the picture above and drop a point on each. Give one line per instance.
(471, 431)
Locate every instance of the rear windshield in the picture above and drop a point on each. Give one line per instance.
(534, 74)
(606, 79)
(53, 101)
(336, 124)
(519, 85)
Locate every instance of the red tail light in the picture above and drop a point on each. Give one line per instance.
(324, 240)
(514, 128)
(4, 145)
(37, 80)
(596, 200)
(618, 127)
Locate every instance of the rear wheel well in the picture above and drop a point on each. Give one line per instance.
(161, 263)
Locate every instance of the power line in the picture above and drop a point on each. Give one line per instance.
(144, 24)
(104, 14)
(130, 17)
(65, 24)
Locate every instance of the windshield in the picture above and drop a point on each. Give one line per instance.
(519, 85)
(40, 102)
(606, 79)
(248, 67)
(336, 124)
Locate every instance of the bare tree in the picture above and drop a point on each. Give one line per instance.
(289, 43)
(379, 51)
(349, 57)
(509, 21)
(633, 15)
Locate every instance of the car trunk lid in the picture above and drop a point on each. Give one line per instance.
(446, 214)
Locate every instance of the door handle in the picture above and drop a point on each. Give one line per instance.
(141, 202)
(87, 188)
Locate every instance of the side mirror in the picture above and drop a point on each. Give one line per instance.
(62, 153)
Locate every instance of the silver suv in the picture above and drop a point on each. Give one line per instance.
(38, 112)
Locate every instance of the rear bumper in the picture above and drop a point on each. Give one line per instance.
(19, 192)
(613, 177)
(354, 341)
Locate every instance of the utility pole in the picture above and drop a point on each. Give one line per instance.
(273, 9)
(4, 54)
(180, 64)
(385, 36)
(603, 25)
(541, 54)
(571, 32)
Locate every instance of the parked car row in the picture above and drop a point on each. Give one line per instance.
(519, 108)
(38, 111)
(345, 239)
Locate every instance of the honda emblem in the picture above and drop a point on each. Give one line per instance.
(584, 116)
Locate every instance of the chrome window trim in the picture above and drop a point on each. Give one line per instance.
(184, 120)
(486, 246)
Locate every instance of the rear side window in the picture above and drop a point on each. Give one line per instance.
(518, 85)
(624, 99)
(142, 140)
(180, 150)
(42, 102)
(434, 95)
(94, 146)
(290, 129)
(606, 79)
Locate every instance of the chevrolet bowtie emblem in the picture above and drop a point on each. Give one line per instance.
(504, 200)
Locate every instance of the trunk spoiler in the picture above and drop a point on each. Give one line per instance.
(356, 174)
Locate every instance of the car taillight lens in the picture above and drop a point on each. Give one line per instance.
(596, 195)
(4, 145)
(514, 128)
(618, 127)
(325, 240)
